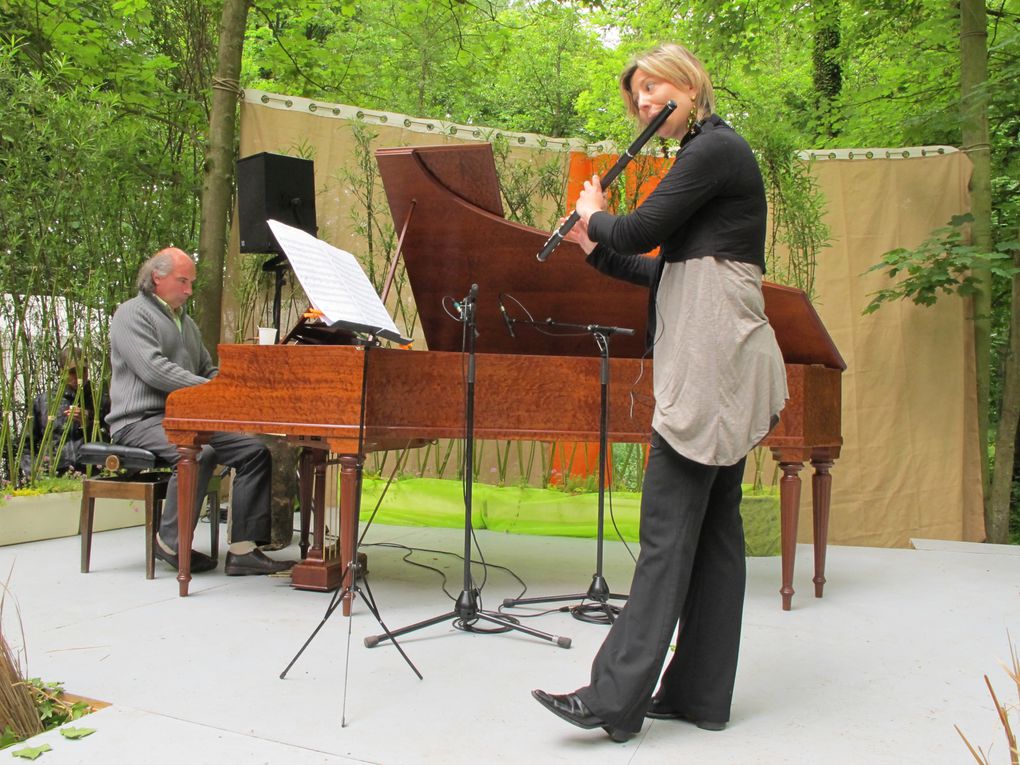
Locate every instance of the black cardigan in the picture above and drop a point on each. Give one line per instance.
(710, 203)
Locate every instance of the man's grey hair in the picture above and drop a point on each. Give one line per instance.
(160, 264)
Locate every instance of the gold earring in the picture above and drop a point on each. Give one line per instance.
(692, 115)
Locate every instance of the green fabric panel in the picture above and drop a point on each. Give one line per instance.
(422, 502)
(547, 512)
(761, 524)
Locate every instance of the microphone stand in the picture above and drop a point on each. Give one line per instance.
(466, 613)
(595, 606)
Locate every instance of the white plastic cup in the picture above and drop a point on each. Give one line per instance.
(267, 335)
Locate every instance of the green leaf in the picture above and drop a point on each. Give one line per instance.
(8, 737)
(74, 733)
(31, 753)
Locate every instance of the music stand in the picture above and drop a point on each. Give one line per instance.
(597, 609)
(337, 287)
(353, 573)
(466, 613)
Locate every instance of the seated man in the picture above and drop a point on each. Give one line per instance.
(156, 348)
(54, 439)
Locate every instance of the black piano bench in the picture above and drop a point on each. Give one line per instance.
(144, 478)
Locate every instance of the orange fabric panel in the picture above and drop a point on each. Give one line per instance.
(577, 459)
(641, 176)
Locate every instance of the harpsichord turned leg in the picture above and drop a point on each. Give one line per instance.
(821, 496)
(187, 479)
(789, 504)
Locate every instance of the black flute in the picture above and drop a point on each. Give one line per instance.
(653, 127)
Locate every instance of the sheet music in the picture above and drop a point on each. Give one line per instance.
(335, 283)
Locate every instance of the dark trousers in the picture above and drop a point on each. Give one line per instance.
(690, 572)
(252, 486)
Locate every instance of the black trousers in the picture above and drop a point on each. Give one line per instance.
(251, 493)
(690, 572)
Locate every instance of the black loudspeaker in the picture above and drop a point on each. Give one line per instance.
(273, 186)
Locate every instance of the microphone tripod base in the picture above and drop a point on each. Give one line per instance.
(594, 608)
(598, 612)
(465, 616)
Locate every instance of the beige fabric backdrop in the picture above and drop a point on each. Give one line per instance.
(909, 464)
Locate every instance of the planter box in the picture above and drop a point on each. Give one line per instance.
(50, 516)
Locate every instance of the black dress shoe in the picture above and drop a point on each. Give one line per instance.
(256, 562)
(200, 562)
(660, 710)
(570, 708)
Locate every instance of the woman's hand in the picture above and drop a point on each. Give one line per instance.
(591, 200)
(75, 414)
(578, 235)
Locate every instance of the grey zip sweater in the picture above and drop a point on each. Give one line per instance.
(150, 358)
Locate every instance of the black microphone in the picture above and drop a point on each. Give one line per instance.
(468, 299)
(508, 321)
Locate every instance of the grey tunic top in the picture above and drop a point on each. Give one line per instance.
(719, 376)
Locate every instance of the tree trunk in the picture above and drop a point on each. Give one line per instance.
(827, 74)
(998, 506)
(218, 175)
(974, 122)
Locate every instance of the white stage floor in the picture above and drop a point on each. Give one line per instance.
(878, 671)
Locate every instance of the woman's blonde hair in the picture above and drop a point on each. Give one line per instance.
(675, 64)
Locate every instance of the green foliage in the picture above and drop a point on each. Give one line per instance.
(373, 224)
(540, 57)
(32, 752)
(797, 231)
(43, 485)
(8, 737)
(497, 64)
(628, 466)
(53, 710)
(88, 191)
(74, 733)
(941, 264)
(369, 213)
(529, 186)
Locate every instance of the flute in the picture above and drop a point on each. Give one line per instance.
(653, 127)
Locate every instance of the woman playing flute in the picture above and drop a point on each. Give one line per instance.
(719, 385)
